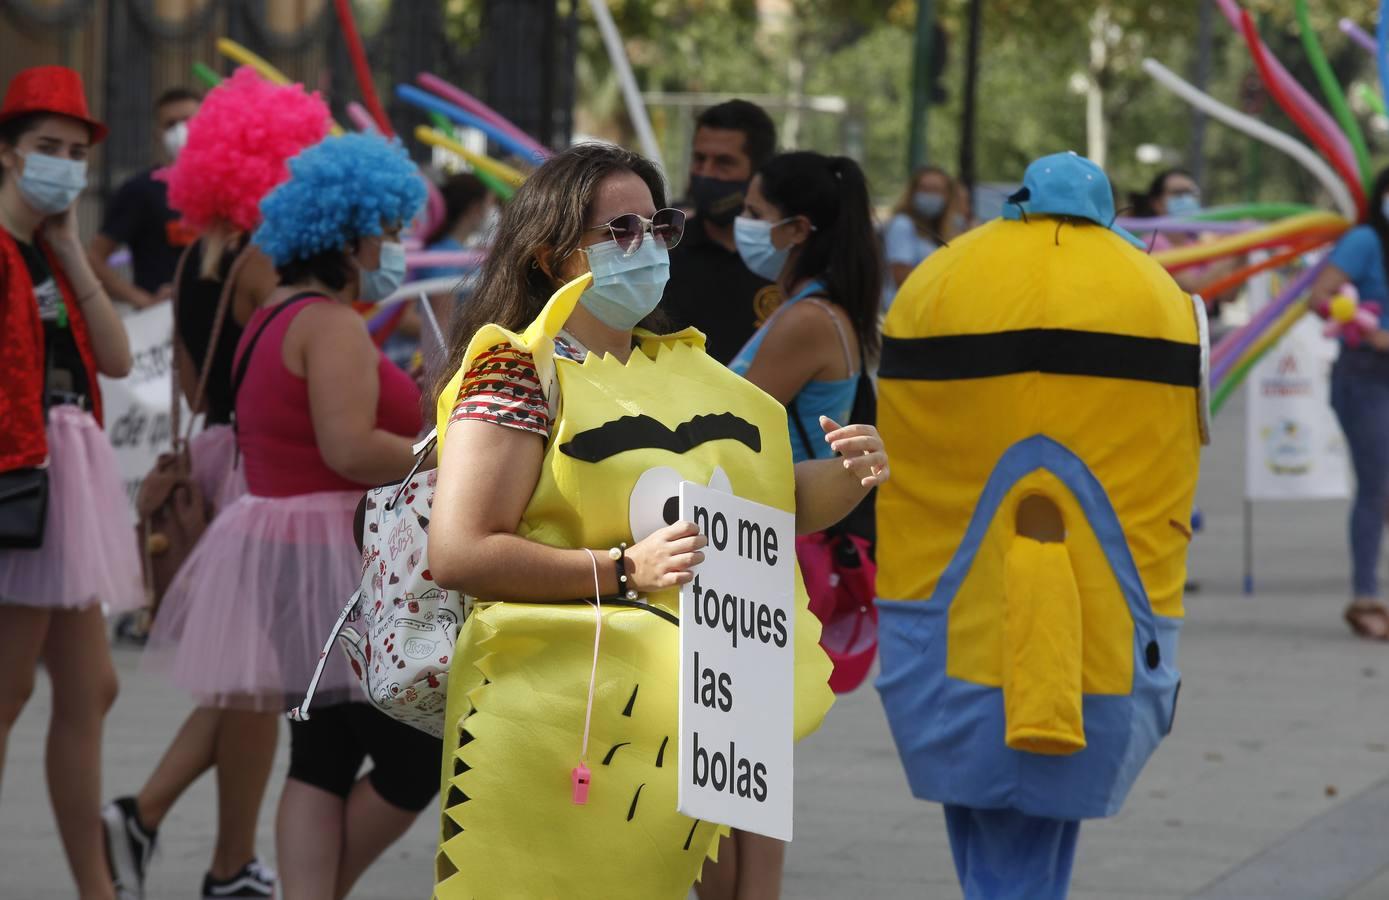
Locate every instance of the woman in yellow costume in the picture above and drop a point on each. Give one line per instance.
(565, 431)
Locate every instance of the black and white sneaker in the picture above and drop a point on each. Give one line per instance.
(129, 846)
(254, 880)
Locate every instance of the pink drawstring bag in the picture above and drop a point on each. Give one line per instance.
(841, 578)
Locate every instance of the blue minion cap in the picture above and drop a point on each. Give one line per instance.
(339, 190)
(1067, 184)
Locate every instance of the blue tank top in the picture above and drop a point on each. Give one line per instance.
(817, 398)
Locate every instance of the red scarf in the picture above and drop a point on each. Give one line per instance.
(22, 439)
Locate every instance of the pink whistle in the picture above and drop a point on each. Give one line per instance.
(581, 778)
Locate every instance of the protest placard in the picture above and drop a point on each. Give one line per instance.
(136, 407)
(737, 662)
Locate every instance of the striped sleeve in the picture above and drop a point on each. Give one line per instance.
(502, 388)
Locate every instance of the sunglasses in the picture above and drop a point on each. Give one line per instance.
(629, 229)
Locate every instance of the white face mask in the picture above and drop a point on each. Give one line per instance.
(753, 237)
(50, 184)
(382, 281)
(626, 286)
(174, 137)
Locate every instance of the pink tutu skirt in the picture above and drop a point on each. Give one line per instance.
(215, 467)
(89, 553)
(244, 621)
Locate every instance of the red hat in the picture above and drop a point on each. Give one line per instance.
(49, 89)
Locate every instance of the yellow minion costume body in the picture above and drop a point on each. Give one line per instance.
(622, 440)
(1027, 678)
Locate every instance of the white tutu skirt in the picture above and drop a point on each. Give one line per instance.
(90, 554)
(215, 466)
(244, 621)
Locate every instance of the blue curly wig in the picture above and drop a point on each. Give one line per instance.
(339, 190)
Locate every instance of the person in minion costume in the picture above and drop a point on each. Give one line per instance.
(543, 676)
(1042, 394)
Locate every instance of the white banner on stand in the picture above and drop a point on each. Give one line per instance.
(1294, 449)
(136, 408)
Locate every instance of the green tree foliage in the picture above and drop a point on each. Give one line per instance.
(1036, 57)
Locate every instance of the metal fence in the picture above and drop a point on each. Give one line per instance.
(130, 51)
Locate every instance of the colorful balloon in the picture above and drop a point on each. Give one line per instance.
(1339, 191)
(431, 259)
(1294, 90)
(1263, 211)
(1183, 224)
(497, 186)
(430, 103)
(1382, 47)
(1368, 96)
(361, 119)
(1348, 319)
(467, 101)
(501, 171)
(1257, 352)
(1358, 35)
(360, 67)
(1284, 232)
(1286, 102)
(1334, 95)
(1227, 353)
(1235, 279)
(237, 53)
(204, 74)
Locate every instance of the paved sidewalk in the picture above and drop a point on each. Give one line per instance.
(1273, 786)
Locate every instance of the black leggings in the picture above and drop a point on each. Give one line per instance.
(328, 750)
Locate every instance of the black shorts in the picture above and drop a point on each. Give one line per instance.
(328, 750)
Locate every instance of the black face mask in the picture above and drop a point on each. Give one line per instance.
(716, 201)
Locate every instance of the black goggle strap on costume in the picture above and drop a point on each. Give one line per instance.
(1018, 198)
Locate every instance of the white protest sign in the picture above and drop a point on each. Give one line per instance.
(136, 407)
(1294, 447)
(737, 665)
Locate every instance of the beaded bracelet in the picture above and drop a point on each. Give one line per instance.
(618, 555)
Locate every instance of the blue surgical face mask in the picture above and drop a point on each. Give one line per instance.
(50, 184)
(625, 288)
(928, 203)
(1183, 205)
(754, 240)
(382, 282)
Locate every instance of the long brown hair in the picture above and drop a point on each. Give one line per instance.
(548, 213)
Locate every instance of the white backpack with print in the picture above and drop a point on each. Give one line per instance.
(399, 628)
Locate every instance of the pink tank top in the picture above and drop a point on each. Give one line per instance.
(274, 427)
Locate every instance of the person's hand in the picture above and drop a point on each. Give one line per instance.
(60, 230)
(862, 449)
(1378, 340)
(165, 292)
(142, 299)
(666, 558)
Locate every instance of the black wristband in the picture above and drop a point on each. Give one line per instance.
(618, 555)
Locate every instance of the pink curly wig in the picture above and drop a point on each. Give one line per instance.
(238, 146)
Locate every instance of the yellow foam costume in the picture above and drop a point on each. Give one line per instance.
(1040, 359)
(623, 438)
